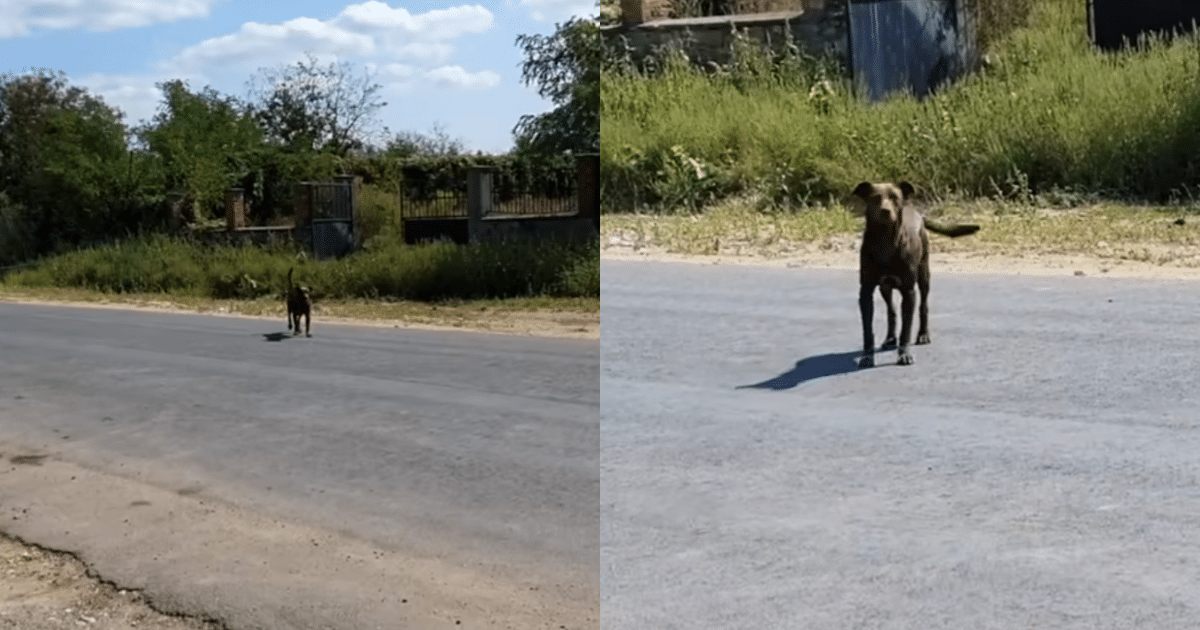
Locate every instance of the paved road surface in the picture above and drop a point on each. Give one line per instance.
(360, 478)
(1038, 466)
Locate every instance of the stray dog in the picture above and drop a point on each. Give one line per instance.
(895, 255)
(299, 302)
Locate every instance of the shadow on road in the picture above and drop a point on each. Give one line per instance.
(277, 336)
(809, 369)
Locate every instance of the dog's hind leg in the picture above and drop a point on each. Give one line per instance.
(923, 287)
(866, 304)
(889, 342)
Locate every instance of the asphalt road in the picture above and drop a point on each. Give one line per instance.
(1037, 467)
(462, 466)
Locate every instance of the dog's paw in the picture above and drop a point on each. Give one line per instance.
(889, 343)
(866, 362)
(905, 358)
(922, 338)
(307, 334)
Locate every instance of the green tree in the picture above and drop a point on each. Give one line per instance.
(309, 107)
(566, 68)
(64, 161)
(207, 143)
(414, 143)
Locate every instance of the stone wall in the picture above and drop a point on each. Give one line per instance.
(818, 27)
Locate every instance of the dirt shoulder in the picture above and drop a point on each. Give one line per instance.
(564, 318)
(1101, 240)
(47, 590)
(940, 262)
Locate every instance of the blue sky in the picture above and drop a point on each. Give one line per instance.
(445, 62)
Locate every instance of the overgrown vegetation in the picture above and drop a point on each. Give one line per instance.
(90, 200)
(386, 269)
(1048, 117)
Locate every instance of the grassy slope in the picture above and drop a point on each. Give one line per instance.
(1050, 116)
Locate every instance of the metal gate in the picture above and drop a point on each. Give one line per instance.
(903, 45)
(333, 208)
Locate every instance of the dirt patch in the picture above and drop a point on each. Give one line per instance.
(844, 255)
(46, 590)
(567, 323)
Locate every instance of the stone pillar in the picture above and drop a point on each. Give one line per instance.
(235, 209)
(302, 204)
(639, 11)
(479, 200)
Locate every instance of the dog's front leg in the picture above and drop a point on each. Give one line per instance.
(889, 342)
(866, 304)
(909, 296)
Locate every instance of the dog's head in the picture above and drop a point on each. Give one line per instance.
(883, 202)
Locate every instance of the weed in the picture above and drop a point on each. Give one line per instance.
(436, 271)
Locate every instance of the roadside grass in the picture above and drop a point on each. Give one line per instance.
(1100, 229)
(1049, 115)
(387, 268)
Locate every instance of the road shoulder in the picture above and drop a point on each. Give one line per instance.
(212, 564)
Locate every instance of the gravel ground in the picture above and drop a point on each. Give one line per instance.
(47, 590)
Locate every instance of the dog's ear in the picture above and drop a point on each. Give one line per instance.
(907, 189)
(863, 190)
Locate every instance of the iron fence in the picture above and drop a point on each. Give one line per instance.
(441, 204)
(552, 200)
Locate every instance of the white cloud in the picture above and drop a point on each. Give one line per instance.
(559, 11)
(360, 30)
(408, 50)
(136, 96)
(267, 44)
(373, 16)
(21, 17)
(455, 76)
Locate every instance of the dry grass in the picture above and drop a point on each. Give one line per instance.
(549, 315)
(1106, 230)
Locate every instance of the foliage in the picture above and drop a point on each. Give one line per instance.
(1049, 116)
(64, 166)
(995, 19)
(566, 68)
(207, 143)
(436, 143)
(545, 175)
(308, 107)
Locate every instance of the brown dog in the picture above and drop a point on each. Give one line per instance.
(299, 302)
(895, 255)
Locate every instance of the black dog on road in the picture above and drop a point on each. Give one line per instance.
(895, 255)
(299, 302)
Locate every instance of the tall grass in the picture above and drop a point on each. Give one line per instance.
(1049, 114)
(438, 271)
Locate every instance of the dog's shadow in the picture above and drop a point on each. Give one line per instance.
(809, 369)
(277, 336)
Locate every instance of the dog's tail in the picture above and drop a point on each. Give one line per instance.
(950, 229)
(290, 279)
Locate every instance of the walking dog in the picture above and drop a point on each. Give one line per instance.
(299, 302)
(895, 255)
